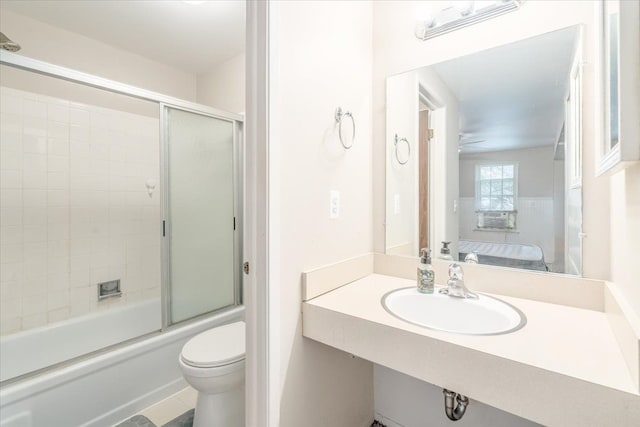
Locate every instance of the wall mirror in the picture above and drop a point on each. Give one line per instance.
(485, 151)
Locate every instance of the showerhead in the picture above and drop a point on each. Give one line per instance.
(7, 44)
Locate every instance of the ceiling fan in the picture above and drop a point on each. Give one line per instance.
(467, 139)
(463, 143)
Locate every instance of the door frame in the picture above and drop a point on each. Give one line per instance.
(423, 176)
(262, 385)
(437, 167)
(573, 157)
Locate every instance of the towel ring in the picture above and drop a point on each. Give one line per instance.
(395, 142)
(339, 116)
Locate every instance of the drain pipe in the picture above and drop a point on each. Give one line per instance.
(454, 414)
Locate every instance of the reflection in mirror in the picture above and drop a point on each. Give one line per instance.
(495, 162)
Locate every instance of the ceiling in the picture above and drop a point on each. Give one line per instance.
(192, 36)
(512, 97)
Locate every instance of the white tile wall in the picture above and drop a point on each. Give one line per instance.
(74, 209)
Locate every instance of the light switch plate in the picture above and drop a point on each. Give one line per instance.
(334, 204)
(396, 204)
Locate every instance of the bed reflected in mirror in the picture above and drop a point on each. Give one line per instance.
(493, 156)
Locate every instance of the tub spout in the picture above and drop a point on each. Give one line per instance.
(457, 412)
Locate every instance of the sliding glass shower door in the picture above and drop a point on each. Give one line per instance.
(200, 228)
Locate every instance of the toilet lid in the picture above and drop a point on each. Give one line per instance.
(216, 347)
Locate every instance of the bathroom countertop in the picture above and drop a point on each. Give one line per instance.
(563, 368)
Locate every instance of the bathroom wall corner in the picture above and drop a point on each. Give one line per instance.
(626, 328)
(324, 279)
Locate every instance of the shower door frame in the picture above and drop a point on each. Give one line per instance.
(167, 320)
(45, 68)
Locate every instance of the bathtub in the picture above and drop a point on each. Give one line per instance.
(102, 389)
(37, 348)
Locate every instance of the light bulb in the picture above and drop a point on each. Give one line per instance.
(464, 7)
(420, 30)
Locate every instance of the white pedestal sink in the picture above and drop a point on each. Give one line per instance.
(482, 316)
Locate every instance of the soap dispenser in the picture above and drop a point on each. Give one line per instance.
(445, 252)
(426, 275)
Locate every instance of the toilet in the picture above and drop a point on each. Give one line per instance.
(212, 362)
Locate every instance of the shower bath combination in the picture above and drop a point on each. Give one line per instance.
(53, 100)
(7, 44)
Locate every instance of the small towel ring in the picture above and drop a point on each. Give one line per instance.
(339, 116)
(395, 142)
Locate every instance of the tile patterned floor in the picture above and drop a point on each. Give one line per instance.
(184, 420)
(175, 411)
(137, 421)
(171, 412)
(171, 407)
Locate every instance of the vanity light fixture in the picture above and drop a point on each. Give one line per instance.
(453, 15)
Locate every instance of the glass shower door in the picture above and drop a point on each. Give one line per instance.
(199, 213)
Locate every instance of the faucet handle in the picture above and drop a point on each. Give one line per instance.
(455, 284)
(471, 258)
(455, 271)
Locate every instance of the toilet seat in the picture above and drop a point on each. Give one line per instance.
(220, 346)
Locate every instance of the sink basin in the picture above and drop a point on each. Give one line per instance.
(482, 316)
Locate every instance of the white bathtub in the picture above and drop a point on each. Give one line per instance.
(99, 390)
(37, 348)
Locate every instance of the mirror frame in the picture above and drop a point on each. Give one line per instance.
(610, 160)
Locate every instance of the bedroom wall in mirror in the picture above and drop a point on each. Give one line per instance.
(498, 134)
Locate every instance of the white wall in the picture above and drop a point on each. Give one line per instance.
(625, 213)
(320, 60)
(625, 233)
(404, 401)
(57, 46)
(402, 180)
(397, 50)
(223, 87)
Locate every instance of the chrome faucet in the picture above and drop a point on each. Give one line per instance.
(471, 258)
(455, 284)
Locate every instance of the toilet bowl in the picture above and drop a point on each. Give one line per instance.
(212, 362)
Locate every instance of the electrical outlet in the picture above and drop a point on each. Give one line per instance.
(334, 204)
